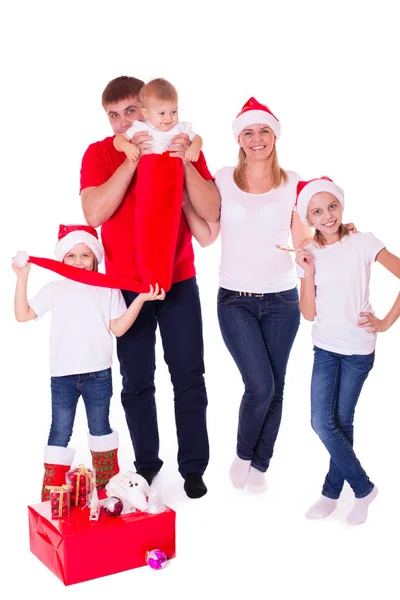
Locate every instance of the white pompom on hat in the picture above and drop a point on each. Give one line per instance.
(252, 113)
(70, 235)
(307, 189)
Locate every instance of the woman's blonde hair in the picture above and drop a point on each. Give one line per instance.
(279, 176)
(158, 89)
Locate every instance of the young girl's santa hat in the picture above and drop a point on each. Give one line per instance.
(307, 189)
(70, 235)
(252, 113)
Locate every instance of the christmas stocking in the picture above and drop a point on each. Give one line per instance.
(57, 461)
(104, 451)
(157, 214)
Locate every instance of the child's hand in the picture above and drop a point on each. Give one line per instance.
(304, 259)
(154, 294)
(132, 151)
(20, 264)
(21, 272)
(373, 323)
(191, 154)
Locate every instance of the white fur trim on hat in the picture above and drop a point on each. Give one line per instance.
(58, 455)
(315, 187)
(253, 117)
(103, 443)
(70, 240)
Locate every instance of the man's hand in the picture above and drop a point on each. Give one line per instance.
(142, 139)
(178, 146)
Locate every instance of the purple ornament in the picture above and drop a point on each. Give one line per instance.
(113, 506)
(156, 559)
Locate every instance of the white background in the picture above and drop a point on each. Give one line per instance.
(329, 71)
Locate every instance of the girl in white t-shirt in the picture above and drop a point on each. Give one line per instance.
(335, 296)
(82, 319)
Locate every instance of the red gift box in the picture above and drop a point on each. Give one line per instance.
(77, 549)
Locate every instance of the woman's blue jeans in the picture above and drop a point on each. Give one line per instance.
(96, 391)
(336, 385)
(259, 331)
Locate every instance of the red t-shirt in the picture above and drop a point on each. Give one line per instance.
(99, 162)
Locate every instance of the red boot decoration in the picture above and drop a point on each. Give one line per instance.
(104, 451)
(57, 461)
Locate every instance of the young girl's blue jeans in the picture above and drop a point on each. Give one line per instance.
(96, 391)
(259, 330)
(336, 385)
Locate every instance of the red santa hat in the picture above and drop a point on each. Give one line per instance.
(252, 113)
(70, 235)
(307, 189)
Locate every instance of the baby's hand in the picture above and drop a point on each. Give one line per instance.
(304, 259)
(154, 294)
(132, 151)
(191, 154)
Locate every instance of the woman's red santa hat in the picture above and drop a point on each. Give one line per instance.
(253, 113)
(307, 189)
(70, 235)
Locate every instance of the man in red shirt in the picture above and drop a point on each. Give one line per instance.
(107, 183)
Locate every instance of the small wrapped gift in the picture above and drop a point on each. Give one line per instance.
(59, 500)
(82, 482)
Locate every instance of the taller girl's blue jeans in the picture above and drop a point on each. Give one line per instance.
(336, 385)
(259, 331)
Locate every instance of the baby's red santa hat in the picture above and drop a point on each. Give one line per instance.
(70, 235)
(307, 189)
(253, 113)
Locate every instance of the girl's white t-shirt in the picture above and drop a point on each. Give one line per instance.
(251, 227)
(342, 275)
(161, 139)
(80, 337)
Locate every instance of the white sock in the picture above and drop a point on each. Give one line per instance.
(360, 509)
(256, 482)
(239, 472)
(322, 508)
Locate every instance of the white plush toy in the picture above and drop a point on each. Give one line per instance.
(21, 258)
(131, 488)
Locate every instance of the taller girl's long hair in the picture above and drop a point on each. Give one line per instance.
(320, 239)
(279, 176)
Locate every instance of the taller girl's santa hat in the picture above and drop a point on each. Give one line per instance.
(307, 189)
(70, 235)
(253, 113)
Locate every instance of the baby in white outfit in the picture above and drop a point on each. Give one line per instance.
(159, 100)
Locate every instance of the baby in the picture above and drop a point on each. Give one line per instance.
(159, 100)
